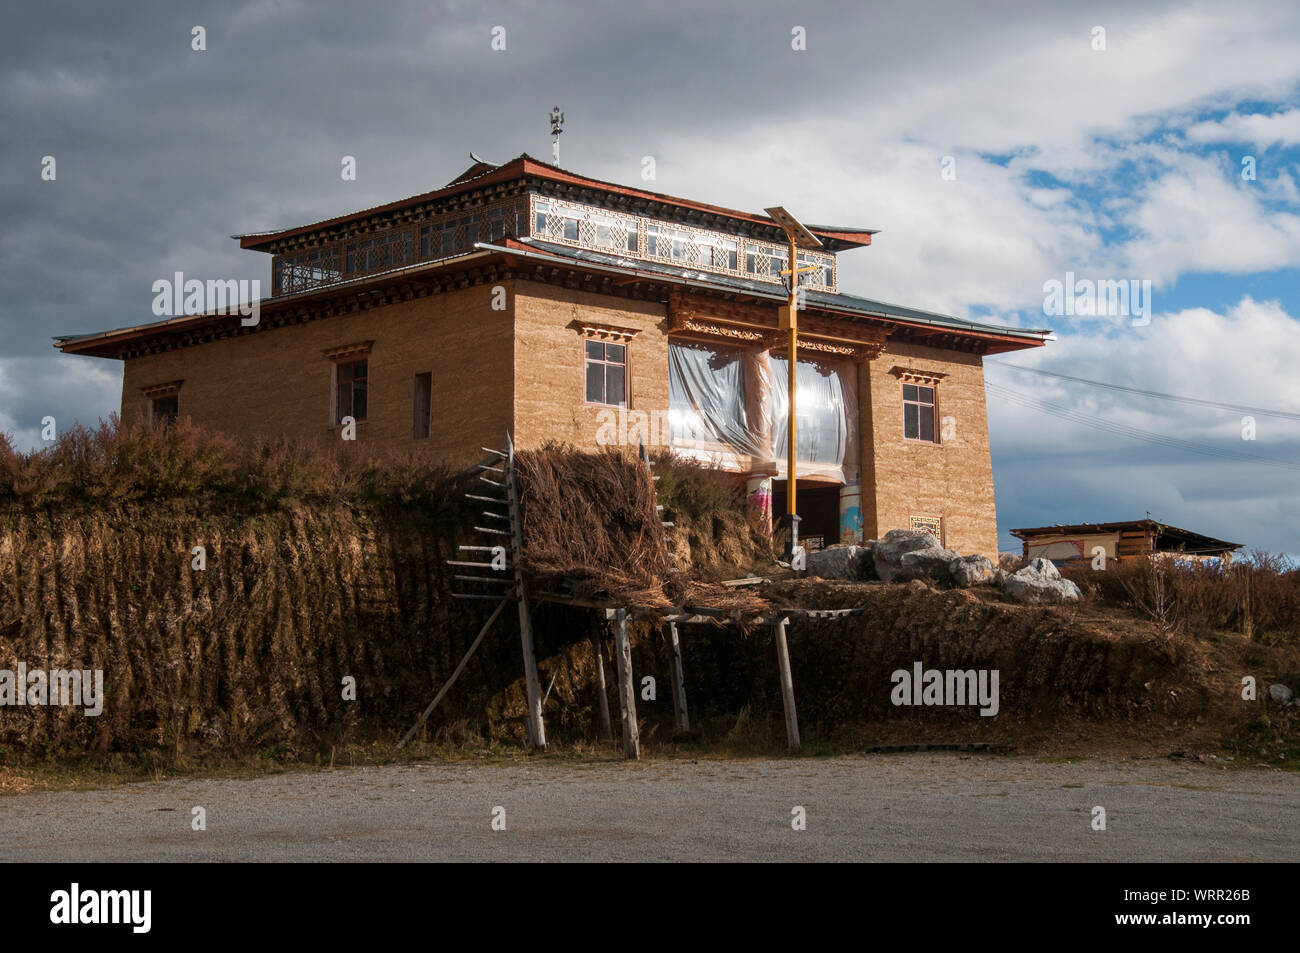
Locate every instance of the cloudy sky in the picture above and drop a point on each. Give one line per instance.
(997, 147)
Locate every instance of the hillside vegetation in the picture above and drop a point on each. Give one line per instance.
(327, 565)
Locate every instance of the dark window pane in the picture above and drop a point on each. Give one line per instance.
(926, 394)
(595, 350)
(343, 406)
(909, 392)
(614, 352)
(911, 427)
(359, 400)
(614, 380)
(631, 246)
(596, 383)
(421, 405)
(166, 410)
(927, 423)
(571, 229)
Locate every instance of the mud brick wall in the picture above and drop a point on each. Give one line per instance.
(951, 479)
(280, 381)
(550, 365)
(522, 368)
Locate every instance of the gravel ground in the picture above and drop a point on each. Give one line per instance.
(916, 807)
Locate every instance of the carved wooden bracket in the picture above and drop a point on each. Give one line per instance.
(606, 332)
(349, 352)
(169, 389)
(913, 375)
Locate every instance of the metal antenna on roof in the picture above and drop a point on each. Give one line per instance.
(557, 127)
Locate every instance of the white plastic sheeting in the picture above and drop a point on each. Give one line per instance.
(728, 407)
(826, 423)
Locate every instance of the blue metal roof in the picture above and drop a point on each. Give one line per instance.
(867, 307)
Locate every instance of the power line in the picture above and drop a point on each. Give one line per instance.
(1200, 401)
(1135, 433)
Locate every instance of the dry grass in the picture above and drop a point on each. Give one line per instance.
(591, 529)
(590, 524)
(321, 563)
(1258, 596)
(113, 464)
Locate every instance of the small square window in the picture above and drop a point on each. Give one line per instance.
(606, 373)
(918, 413)
(165, 410)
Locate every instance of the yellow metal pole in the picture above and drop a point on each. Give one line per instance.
(792, 374)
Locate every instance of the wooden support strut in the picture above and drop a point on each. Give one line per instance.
(598, 650)
(679, 680)
(536, 727)
(787, 685)
(626, 689)
(501, 604)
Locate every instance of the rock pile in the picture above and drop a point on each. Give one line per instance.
(904, 554)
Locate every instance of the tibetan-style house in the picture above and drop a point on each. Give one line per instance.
(1119, 541)
(526, 298)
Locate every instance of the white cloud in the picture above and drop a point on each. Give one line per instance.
(57, 386)
(1260, 129)
(1052, 470)
(1199, 216)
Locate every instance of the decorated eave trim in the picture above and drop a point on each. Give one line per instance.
(169, 389)
(522, 169)
(349, 351)
(700, 316)
(607, 332)
(912, 375)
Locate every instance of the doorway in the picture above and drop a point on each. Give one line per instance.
(819, 512)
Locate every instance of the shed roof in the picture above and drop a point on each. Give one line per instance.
(1167, 537)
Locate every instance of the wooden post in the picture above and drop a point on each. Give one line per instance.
(536, 727)
(679, 681)
(787, 685)
(626, 689)
(598, 650)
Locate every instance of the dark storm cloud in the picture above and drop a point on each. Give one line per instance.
(163, 153)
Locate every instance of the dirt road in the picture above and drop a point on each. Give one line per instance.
(881, 807)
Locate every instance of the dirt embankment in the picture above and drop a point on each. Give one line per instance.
(250, 654)
(1071, 680)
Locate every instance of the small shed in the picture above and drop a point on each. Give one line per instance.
(1146, 537)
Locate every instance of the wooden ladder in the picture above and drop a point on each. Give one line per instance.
(503, 529)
